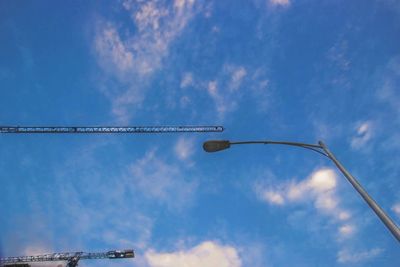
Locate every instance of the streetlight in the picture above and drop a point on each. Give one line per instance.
(321, 148)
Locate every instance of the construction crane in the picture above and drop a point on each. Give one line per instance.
(71, 258)
(108, 129)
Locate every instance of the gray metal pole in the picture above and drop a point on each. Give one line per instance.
(370, 201)
(217, 145)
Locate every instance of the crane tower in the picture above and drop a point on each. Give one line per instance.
(72, 258)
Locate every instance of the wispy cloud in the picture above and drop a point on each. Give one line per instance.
(364, 133)
(111, 206)
(131, 228)
(387, 92)
(223, 102)
(130, 59)
(113, 53)
(113, 193)
(36, 237)
(319, 188)
(338, 55)
(161, 181)
(327, 130)
(208, 253)
(187, 80)
(284, 3)
(261, 89)
(233, 83)
(348, 256)
(225, 89)
(184, 148)
(396, 209)
(346, 230)
(273, 197)
(237, 75)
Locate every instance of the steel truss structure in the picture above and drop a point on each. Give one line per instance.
(71, 258)
(108, 129)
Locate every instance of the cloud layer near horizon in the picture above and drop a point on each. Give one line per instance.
(208, 253)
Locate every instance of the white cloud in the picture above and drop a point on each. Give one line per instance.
(280, 2)
(338, 55)
(229, 87)
(129, 230)
(149, 16)
(112, 51)
(388, 92)
(347, 256)
(322, 180)
(208, 254)
(180, 4)
(184, 148)
(212, 88)
(296, 191)
(326, 130)
(326, 203)
(323, 183)
(158, 27)
(116, 195)
(74, 183)
(129, 60)
(224, 90)
(187, 80)
(160, 181)
(346, 230)
(396, 209)
(238, 73)
(261, 89)
(273, 197)
(319, 188)
(130, 227)
(364, 132)
(184, 101)
(222, 102)
(344, 215)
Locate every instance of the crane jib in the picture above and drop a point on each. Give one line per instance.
(70, 256)
(109, 129)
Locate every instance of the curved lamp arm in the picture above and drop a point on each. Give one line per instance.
(321, 148)
(218, 145)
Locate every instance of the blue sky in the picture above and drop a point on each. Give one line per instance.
(273, 69)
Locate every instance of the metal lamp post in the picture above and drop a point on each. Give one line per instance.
(321, 148)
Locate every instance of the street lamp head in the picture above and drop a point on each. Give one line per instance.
(216, 145)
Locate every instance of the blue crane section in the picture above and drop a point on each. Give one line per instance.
(71, 258)
(108, 129)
